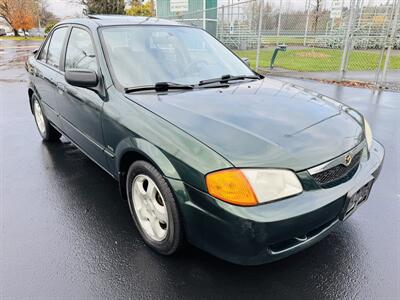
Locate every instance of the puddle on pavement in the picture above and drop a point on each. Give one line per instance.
(19, 59)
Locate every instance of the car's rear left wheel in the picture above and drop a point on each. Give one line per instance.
(46, 130)
(153, 208)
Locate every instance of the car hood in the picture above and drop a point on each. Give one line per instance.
(263, 123)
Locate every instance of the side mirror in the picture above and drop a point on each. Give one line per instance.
(246, 61)
(81, 78)
(35, 51)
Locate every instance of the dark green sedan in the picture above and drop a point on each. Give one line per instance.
(205, 150)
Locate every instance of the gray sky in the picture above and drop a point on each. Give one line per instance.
(64, 8)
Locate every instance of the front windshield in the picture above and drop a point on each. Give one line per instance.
(144, 55)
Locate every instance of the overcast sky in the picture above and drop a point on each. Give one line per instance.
(65, 8)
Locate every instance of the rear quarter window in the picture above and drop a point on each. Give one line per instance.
(43, 54)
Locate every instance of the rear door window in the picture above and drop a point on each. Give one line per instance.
(55, 47)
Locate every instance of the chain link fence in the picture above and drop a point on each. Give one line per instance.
(317, 39)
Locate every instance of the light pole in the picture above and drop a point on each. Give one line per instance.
(259, 34)
(391, 40)
(278, 31)
(204, 14)
(308, 4)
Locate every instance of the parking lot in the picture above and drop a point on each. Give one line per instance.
(65, 233)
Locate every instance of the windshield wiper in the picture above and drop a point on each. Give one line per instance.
(159, 87)
(227, 78)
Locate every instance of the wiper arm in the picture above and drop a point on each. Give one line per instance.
(227, 78)
(159, 87)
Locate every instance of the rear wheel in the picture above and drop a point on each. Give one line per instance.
(153, 208)
(46, 130)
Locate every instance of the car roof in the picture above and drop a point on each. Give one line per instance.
(95, 21)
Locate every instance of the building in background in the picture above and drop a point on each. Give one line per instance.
(200, 13)
(5, 26)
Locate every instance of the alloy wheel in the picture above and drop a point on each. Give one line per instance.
(150, 208)
(37, 110)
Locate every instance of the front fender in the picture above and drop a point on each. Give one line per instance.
(152, 153)
(128, 126)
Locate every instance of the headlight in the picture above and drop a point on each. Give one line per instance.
(248, 187)
(368, 134)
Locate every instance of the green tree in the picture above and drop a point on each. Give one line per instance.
(50, 26)
(115, 7)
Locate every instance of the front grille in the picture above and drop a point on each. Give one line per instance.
(338, 174)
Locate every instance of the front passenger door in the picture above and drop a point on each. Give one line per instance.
(81, 108)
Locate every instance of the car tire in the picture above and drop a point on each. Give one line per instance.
(153, 205)
(46, 130)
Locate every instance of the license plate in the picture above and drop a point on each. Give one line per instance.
(356, 198)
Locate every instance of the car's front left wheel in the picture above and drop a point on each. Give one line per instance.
(46, 130)
(153, 208)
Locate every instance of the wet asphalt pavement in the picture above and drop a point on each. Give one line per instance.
(66, 234)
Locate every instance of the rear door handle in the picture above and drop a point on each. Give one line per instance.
(38, 73)
(61, 88)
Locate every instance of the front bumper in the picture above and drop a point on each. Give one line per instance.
(268, 232)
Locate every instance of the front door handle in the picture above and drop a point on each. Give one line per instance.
(61, 88)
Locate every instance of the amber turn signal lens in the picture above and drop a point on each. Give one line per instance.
(231, 186)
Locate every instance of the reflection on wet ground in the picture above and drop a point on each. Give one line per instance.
(13, 55)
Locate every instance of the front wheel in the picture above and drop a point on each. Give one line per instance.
(153, 208)
(46, 130)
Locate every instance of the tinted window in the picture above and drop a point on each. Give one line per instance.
(55, 47)
(43, 53)
(80, 51)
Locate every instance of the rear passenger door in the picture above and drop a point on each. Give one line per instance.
(47, 73)
(81, 108)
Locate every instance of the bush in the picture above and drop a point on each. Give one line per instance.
(49, 27)
(139, 9)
